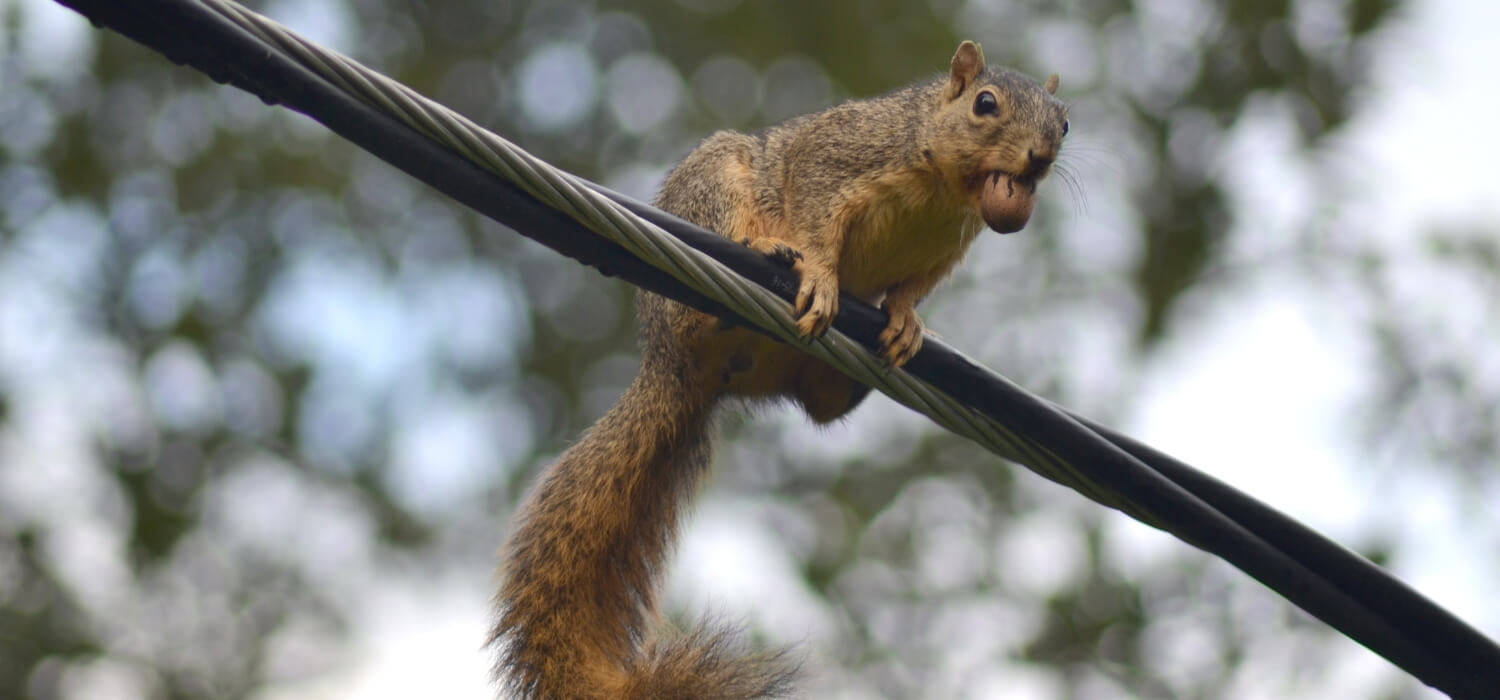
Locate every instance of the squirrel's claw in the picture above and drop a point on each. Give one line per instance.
(775, 249)
(784, 255)
(901, 340)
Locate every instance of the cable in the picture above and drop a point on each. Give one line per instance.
(232, 44)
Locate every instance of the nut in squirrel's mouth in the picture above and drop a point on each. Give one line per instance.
(1005, 201)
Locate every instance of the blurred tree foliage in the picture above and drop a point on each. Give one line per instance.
(245, 367)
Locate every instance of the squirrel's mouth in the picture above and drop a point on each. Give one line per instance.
(1005, 201)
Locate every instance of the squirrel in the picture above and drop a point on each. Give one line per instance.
(880, 198)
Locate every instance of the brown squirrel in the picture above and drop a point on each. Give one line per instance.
(879, 198)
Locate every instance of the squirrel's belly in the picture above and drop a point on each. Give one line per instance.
(890, 246)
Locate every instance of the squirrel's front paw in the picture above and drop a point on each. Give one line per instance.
(901, 340)
(817, 299)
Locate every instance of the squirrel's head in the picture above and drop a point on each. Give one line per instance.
(996, 135)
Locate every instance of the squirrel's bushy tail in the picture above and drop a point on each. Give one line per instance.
(577, 605)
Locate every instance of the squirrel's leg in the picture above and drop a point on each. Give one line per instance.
(824, 230)
(817, 292)
(817, 295)
(902, 337)
(824, 392)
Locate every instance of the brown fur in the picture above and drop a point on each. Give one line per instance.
(880, 198)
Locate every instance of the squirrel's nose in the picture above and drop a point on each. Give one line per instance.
(1038, 163)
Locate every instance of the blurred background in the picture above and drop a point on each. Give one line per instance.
(266, 404)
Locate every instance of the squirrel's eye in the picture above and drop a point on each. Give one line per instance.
(985, 104)
(1065, 127)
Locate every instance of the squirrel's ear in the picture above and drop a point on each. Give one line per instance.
(1051, 84)
(968, 63)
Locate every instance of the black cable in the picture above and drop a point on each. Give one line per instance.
(1472, 656)
(1339, 587)
(1467, 651)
